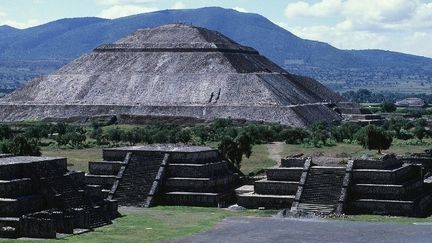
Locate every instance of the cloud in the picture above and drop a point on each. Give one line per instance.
(399, 25)
(319, 9)
(178, 5)
(240, 9)
(118, 11)
(123, 2)
(22, 25)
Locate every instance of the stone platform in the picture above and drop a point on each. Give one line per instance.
(164, 175)
(388, 186)
(40, 198)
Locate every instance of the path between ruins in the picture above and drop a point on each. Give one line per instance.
(248, 229)
(275, 150)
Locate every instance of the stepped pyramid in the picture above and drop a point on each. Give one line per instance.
(176, 71)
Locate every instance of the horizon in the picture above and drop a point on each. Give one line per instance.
(344, 24)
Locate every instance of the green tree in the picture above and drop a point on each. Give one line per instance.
(319, 134)
(115, 134)
(387, 106)
(373, 137)
(23, 146)
(132, 136)
(293, 135)
(233, 149)
(5, 132)
(420, 132)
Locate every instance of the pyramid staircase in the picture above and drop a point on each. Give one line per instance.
(278, 189)
(148, 176)
(321, 191)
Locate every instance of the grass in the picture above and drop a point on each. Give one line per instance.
(159, 223)
(260, 159)
(388, 219)
(77, 158)
(350, 150)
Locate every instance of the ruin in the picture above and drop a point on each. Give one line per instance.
(164, 174)
(389, 186)
(41, 198)
(174, 71)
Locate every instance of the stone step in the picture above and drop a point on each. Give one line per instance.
(317, 208)
(16, 188)
(376, 176)
(383, 207)
(106, 181)
(13, 207)
(252, 200)
(199, 184)
(387, 191)
(11, 227)
(284, 174)
(105, 167)
(199, 199)
(244, 189)
(269, 187)
(198, 170)
(293, 162)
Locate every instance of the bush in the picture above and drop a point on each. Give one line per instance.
(233, 149)
(388, 106)
(22, 146)
(294, 135)
(5, 132)
(373, 137)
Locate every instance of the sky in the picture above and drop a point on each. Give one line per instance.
(396, 25)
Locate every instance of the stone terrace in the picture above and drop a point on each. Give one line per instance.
(39, 198)
(389, 186)
(164, 174)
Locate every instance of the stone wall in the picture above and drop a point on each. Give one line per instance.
(296, 116)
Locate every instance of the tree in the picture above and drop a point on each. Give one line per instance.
(24, 147)
(5, 132)
(132, 136)
(388, 106)
(319, 134)
(233, 149)
(420, 132)
(373, 137)
(115, 135)
(294, 135)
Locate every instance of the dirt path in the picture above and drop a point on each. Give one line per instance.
(275, 150)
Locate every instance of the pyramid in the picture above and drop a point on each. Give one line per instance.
(174, 70)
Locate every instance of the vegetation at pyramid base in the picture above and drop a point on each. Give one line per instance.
(234, 139)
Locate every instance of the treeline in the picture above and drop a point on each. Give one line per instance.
(367, 96)
(27, 138)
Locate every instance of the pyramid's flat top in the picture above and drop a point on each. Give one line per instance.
(175, 36)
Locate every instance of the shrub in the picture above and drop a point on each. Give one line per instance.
(373, 137)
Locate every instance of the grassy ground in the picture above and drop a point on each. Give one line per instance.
(260, 159)
(350, 150)
(159, 223)
(388, 219)
(77, 158)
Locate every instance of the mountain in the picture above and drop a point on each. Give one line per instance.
(53, 44)
(6, 29)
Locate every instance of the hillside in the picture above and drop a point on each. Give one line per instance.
(27, 53)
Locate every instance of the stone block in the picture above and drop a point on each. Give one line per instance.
(268, 187)
(293, 162)
(197, 170)
(254, 201)
(284, 174)
(105, 167)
